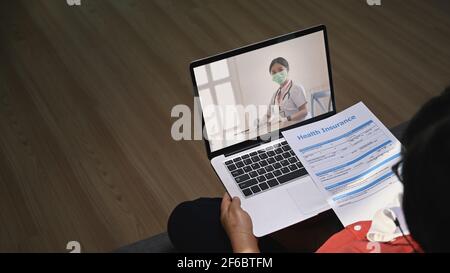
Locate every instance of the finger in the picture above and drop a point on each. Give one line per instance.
(235, 204)
(226, 201)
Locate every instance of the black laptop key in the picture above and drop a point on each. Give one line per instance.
(292, 153)
(263, 186)
(245, 156)
(284, 143)
(229, 162)
(256, 158)
(285, 170)
(299, 165)
(237, 172)
(269, 168)
(263, 156)
(247, 192)
(237, 159)
(269, 176)
(248, 161)
(256, 166)
(255, 189)
(270, 153)
(271, 160)
(286, 148)
(278, 157)
(277, 165)
(253, 174)
(248, 183)
(293, 167)
(242, 178)
(279, 151)
(292, 160)
(231, 167)
(247, 169)
(288, 177)
(253, 153)
(263, 163)
(261, 151)
(240, 164)
(272, 183)
(261, 171)
(303, 171)
(261, 178)
(277, 173)
(284, 162)
(286, 155)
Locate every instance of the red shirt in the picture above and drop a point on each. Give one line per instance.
(353, 240)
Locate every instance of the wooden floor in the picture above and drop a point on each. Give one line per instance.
(86, 93)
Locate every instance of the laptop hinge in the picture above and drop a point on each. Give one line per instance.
(243, 149)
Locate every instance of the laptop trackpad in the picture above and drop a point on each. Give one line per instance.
(308, 198)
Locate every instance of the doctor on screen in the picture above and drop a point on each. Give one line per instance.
(289, 98)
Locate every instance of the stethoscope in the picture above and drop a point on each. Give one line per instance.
(288, 93)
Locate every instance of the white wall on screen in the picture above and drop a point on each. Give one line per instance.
(307, 61)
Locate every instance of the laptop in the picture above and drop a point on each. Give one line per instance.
(247, 97)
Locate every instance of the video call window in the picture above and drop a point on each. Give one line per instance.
(248, 94)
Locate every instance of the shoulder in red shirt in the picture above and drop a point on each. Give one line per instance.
(353, 239)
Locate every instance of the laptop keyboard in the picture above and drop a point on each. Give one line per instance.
(265, 169)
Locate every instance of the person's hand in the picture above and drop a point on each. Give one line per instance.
(273, 119)
(238, 226)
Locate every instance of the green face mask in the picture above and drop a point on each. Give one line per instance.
(280, 77)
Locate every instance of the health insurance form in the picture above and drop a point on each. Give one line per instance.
(349, 157)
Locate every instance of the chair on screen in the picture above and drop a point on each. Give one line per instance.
(317, 99)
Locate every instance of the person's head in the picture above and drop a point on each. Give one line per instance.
(279, 69)
(426, 174)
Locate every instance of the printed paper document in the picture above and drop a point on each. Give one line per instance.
(350, 157)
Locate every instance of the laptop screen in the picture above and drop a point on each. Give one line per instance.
(264, 90)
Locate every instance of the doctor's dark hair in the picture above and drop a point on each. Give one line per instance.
(425, 174)
(279, 60)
